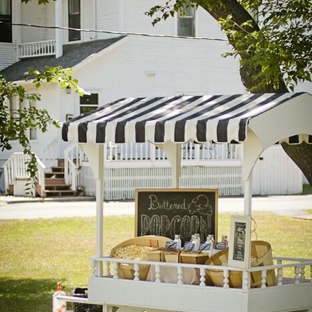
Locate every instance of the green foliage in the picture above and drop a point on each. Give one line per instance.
(14, 125)
(277, 42)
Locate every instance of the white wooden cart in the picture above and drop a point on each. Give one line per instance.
(257, 122)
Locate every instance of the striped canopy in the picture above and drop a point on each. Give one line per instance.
(179, 119)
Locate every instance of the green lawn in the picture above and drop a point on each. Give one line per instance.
(36, 254)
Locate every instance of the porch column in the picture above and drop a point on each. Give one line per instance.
(252, 149)
(247, 195)
(173, 153)
(95, 154)
(58, 32)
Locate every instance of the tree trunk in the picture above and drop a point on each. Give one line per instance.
(300, 154)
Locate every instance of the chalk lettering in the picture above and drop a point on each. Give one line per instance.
(145, 224)
(164, 225)
(155, 204)
(186, 226)
(171, 212)
(174, 225)
(154, 225)
(205, 227)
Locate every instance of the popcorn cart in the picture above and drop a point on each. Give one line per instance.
(255, 120)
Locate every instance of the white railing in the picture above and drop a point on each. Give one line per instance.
(50, 154)
(189, 151)
(73, 158)
(40, 48)
(300, 269)
(15, 168)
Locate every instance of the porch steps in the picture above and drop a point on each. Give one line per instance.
(55, 183)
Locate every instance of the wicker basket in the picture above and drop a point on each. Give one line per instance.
(193, 257)
(126, 270)
(262, 255)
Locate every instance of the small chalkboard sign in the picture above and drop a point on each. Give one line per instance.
(166, 212)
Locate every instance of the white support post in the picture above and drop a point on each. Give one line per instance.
(95, 154)
(176, 165)
(173, 153)
(58, 31)
(247, 195)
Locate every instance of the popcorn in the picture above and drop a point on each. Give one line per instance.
(133, 252)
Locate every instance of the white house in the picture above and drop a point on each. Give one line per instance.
(118, 53)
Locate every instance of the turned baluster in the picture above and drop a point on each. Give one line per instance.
(107, 263)
(157, 274)
(179, 272)
(136, 272)
(93, 268)
(115, 269)
(297, 275)
(226, 279)
(202, 273)
(263, 278)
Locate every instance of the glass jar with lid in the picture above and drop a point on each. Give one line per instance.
(177, 240)
(196, 242)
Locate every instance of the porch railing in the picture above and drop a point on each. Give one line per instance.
(301, 271)
(15, 168)
(50, 153)
(73, 158)
(189, 151)
(39, 48)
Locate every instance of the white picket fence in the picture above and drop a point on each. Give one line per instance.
(274, 174)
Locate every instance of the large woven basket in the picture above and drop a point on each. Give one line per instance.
(126, 270)
(261, 253)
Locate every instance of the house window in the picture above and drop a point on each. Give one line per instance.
(89, 102)
(186, 23)
(74, 19)
(6, 19)
(16, 106)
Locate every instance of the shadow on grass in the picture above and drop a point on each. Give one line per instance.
(26, 295)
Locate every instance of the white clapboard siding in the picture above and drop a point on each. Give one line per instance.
(275, 173)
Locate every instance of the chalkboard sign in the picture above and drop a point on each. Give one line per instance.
(166, 212)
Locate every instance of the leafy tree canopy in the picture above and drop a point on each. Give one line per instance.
(14, 125)
(272, 36)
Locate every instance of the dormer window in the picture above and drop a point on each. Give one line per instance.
(74, 20)
(186, 22)
(6, 19)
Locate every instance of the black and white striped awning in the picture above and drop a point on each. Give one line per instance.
(179, 119)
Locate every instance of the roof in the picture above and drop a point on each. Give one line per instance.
(73, 54)
(179, 119)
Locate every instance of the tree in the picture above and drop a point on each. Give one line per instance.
(14, 125)
(273, 41)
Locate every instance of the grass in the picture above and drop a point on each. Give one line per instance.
(36, 254)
